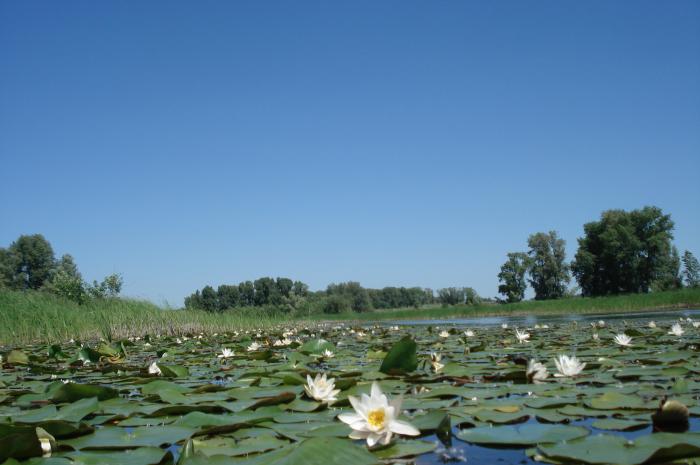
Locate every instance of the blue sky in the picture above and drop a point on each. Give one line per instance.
(389, 142)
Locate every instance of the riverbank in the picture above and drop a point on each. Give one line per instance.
(30, 317)
(657, 301)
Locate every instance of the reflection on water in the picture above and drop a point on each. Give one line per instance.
(516, 455)
(533, 319)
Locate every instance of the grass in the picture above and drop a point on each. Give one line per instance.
(682, 298)
(27, 317)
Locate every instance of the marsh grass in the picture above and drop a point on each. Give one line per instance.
(27, 317)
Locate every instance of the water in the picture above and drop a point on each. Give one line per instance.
(532, 320)
(462, 452)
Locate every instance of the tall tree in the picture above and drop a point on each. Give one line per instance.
(691, 269)
(209, 300)
(623, 252)
(512, 276)
(32, 260)
(229, 296)
(549, 273)
(246, 290)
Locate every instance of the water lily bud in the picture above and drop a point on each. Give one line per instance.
(671, 416)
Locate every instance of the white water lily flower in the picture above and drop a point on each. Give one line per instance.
(601, 323)
(435, 362)
(153, 369)
(696, 324)
(595, 336)
(444, 333)
(225, 353)
(283, 342)
(321, 388)
(652, 325)
(504, 326)
(375, 418)
(469, 333)
(568, 366)
(536, 371)
(676, 330)
(253, 347)
(328, 353)
(521, 335)
(623, 340)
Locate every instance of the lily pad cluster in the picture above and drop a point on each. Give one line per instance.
(244, 398)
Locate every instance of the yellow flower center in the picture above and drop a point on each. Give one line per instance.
(376, 418)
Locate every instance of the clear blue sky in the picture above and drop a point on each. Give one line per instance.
(389, 142)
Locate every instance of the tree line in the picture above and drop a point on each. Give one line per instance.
(283, 294)
(623, 252)
(29, 263)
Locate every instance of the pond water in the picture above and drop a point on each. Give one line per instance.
(532, 320)
(165, 399)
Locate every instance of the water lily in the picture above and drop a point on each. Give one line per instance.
(601, 324)
(536, 371)
(623, 340)
(375, 418)
(504, 326)
(444, 334)
(328, 353)
(676, 330)
(595, 336)
(568, 366)
(652, 325)
(435, 362)
(521, 335)
(321, 389)
(469, 333)
(283, 342)
(253, 346)
(225, 353)
(154, 369)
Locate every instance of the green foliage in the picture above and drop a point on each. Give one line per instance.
(512, 276)
(28, 262)
(549, 274)
(336, 304)
(451, 295)
(282, 293)
(357, 295)
(397, 297)
(669, 274)
(691, 270)
(401, 358)
(624, 252)
(111, 286)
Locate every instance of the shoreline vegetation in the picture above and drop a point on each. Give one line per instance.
(39, 317)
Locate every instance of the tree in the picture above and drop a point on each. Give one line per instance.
(66, 281)
(284, 286)
(300, 289)
(266, 292)
(356, 294)
(31, 260)
(669, 274)
(549, 274)
(624, 252)
(6, 269)
(336, 303)
(451, 296)
(471, 297)
(228, 296)
(691, 269)
(512, 276)
(209, 301)
(246, 291)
